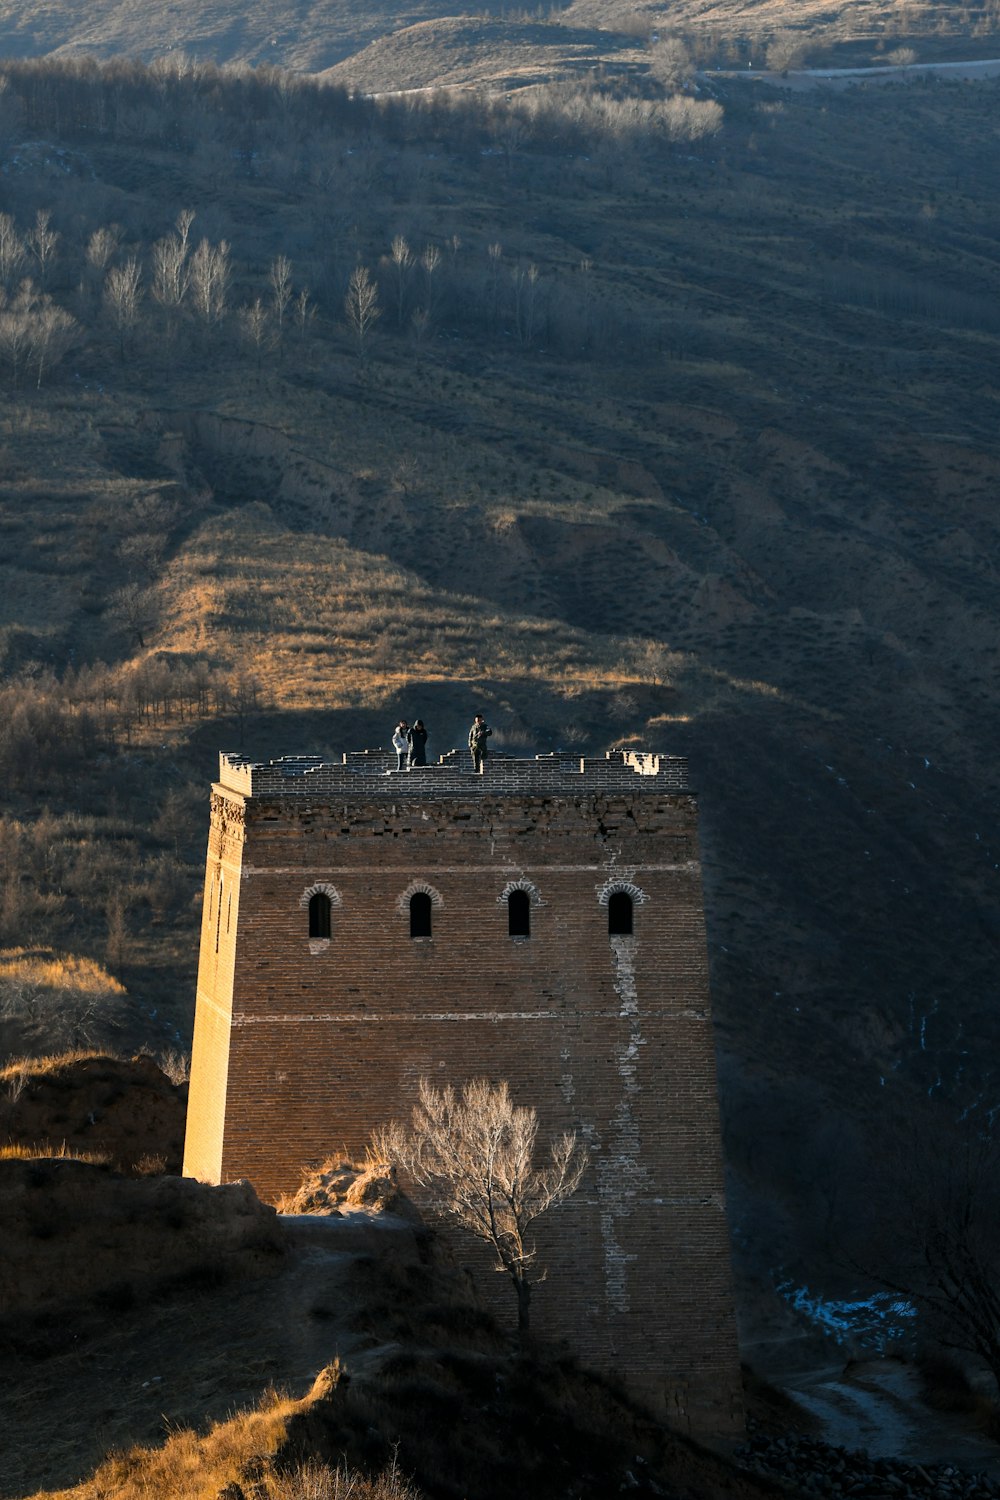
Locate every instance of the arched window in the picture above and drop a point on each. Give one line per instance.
(420, 914)
(620, 914)
(319, 915)
(519, 914)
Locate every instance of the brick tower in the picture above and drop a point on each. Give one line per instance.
(541, 924)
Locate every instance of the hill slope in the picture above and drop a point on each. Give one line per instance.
(692, 440)
(319, 34)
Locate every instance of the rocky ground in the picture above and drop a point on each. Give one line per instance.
(813, 1467)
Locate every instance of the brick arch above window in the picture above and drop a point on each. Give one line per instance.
(418, 888)
(319, 923)
(321, 888)
(531, 891)
(625, 888)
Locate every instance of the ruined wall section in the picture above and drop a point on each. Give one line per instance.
(610, 1036)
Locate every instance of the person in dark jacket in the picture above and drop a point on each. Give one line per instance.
(417, 736)
(478, 735)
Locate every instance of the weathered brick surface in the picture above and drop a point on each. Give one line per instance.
(302, 1046)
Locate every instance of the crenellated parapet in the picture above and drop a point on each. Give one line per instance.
(372, 774)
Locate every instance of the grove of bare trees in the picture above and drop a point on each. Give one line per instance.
(166, 283)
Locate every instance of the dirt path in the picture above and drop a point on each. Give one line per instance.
(875, 1408)
(811, 78)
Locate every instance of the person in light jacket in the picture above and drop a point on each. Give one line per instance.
(401, 744)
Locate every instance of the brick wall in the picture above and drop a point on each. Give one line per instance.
(303, 1046)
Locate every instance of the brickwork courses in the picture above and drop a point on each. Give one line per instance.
(304, 1044)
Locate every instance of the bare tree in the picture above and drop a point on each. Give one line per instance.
(210, 274)
(255, 328)
(927, 1226)
(785, 50)
(281, 291)
(102, 247)
(657, 663)
(142, 556)
(525, 284)
(305, 311)
(495, 253)
(34, 333)
(53, 332)
(171, 270)
(11, 113)
(361, 306)
(15, 328)
(420, 326)
(116, 917)
(473, 1153)
(690, 119)
(42, 243)
(123, 294)
(670, 64)
(510, 133)
(402, 260)
(430, 260)
(12, 251)
(133, 608)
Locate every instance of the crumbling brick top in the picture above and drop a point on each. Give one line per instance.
(372, 774)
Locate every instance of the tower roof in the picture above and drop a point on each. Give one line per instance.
(372, 774)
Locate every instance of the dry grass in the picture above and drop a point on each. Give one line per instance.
(337, 1182)
(48, 997)
(46, 1152)
(175, 1064)
(245, 1449)
(318, 1481)
(321, 622)
(189, 1466)
(39, 1067)
(64, 973)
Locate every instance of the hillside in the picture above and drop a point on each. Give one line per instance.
(676, 426)
(567, 42)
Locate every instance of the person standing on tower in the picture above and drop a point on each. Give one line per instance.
(417, 737)
(401, 744)
(478, 735)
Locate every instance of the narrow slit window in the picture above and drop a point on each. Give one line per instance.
(420, 915)
(620, 914)
(319, 915)
(519, 914)
(218, 917)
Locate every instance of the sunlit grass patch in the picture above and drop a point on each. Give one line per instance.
(245, 1450)
(47, 1152)
(41, 969)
